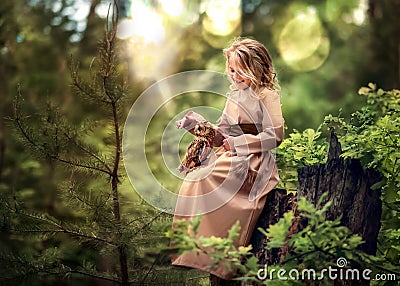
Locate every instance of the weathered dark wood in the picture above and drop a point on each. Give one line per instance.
(349, 189)
(278, 202)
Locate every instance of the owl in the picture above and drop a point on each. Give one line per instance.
(199, 148)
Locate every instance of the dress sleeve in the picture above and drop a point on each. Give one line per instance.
(222, 128)
(272, 125)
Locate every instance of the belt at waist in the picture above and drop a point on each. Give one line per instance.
(244, 128)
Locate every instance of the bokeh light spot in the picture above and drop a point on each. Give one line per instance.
(303, 43)
(221, 17)
(146, 25)
(147, 46)
(173, 8)
(350, 11)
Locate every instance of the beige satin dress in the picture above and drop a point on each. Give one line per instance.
(222, 191)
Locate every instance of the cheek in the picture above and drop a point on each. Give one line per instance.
(246, 81)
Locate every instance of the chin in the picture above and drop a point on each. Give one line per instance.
(241, 85)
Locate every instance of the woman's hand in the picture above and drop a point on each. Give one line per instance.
(228, 146)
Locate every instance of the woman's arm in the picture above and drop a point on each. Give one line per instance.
(222, 128)
(272, 133)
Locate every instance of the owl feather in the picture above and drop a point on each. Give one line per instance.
(199, 148)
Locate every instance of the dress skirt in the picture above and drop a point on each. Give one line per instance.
(220, 219)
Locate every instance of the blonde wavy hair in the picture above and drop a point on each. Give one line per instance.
(252, 60)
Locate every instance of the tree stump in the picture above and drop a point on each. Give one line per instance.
(278, 202)
(349, 188)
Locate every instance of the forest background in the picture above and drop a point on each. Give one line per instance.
(323, 51)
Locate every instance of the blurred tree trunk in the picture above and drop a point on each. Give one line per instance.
(93, 32)
(385, 42)
(95, 26)
(2, 144)
(4, 106)
(8, 32)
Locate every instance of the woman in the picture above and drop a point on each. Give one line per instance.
(232, 186)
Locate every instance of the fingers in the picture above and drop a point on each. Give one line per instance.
(226, 145)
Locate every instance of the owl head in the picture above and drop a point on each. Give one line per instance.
(204, 129)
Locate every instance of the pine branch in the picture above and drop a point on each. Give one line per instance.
(97, 205)
(60, 228)
(63, 273)
(77, 197)
(138, 219)
(150, 269)
(63, 230)
(148, 223)
(30, 140)
(77, 164)
(97, 276)
(86, 90)
(90, 153)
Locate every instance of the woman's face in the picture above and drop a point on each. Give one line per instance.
(239, 81)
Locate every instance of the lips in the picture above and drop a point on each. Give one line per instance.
(238, 81)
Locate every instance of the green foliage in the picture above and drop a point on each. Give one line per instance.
(90, 224)
(321, 240)
(35, 43)
(298, 150)
(372, 135)
(317, 246)
(184, 237)
(304, 149)
(278, 232)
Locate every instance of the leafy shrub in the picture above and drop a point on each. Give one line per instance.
(298, 150)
